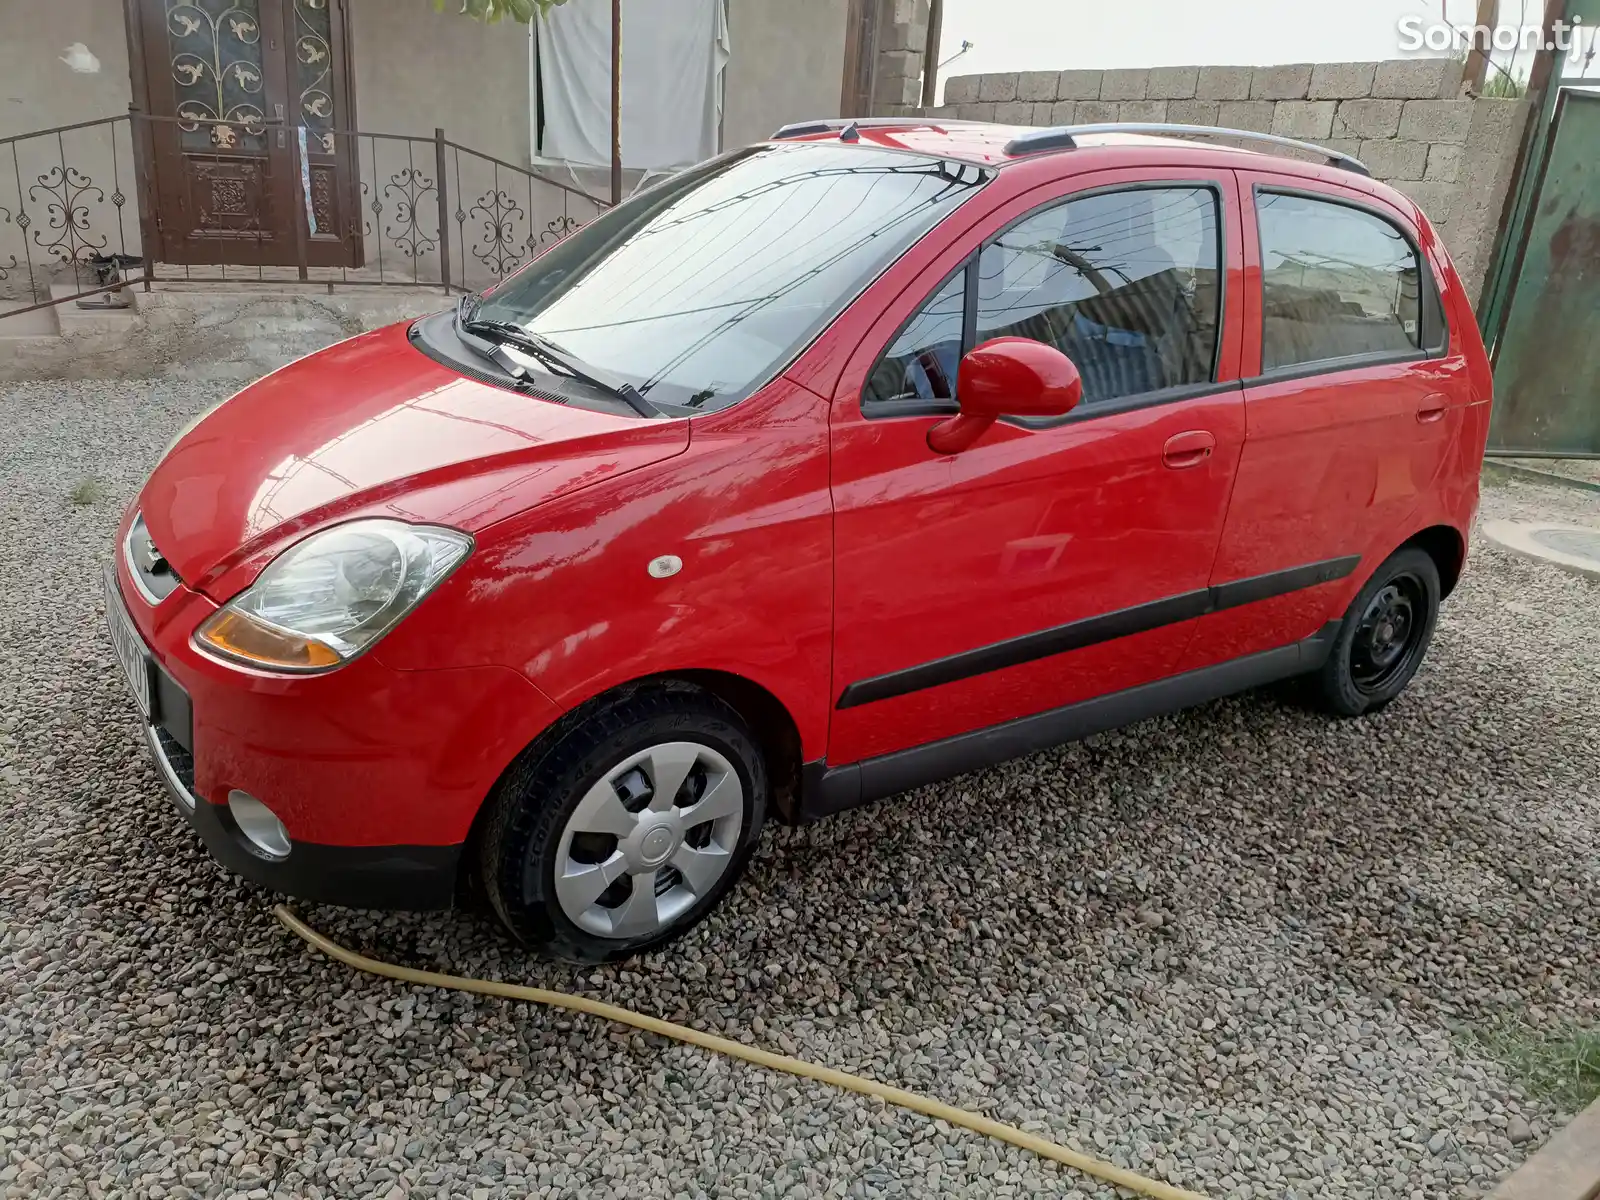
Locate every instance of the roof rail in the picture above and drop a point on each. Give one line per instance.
(1064, 137)
(837, 124)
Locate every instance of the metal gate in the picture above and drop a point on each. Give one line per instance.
(1547, 362)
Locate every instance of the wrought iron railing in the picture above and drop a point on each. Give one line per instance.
(57, 217)
(331, 207)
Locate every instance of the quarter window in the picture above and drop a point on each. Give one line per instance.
(922, 362)
(1126, 284)
(1336, 283)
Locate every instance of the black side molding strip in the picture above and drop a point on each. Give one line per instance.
(1280, 583)
(1092, 630)
(827, 790)
(1028, 647)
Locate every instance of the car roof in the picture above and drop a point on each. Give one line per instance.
(967, 141)
(984, 142)
(1088, 148)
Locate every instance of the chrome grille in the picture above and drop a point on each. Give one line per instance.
(153, 574)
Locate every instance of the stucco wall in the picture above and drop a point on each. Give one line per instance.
(788, 64)
(417, 69)
(1404, 118)
(37, 89)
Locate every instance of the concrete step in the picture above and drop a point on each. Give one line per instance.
(74, 320)
(200, 331)
(288, 278)
(41, 322)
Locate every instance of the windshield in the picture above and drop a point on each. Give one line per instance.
(700, 289)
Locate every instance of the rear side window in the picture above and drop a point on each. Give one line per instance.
(1126, 284)
(1339, 283)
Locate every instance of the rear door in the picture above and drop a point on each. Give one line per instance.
(1054, 560)
(1347, 410)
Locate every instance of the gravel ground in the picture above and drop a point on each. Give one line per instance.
(1226, 948)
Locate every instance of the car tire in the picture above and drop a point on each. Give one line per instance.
(583, 860)
(1383, 637)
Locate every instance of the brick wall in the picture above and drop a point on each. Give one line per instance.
(1405, 119)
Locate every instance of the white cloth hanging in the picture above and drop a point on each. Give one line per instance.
(674, 53)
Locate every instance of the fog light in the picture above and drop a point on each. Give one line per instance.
(255, 820)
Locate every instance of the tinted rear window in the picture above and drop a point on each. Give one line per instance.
(1336, 282)
(700, 289)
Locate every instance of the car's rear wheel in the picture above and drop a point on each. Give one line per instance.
(626, 825)
(1383, 637)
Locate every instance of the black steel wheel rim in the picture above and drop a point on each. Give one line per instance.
(1389, 634)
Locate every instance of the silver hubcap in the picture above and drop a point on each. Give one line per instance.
(649, 841)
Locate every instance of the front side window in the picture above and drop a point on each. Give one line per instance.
(701, 288)
(1336, 283)
(1125, 284)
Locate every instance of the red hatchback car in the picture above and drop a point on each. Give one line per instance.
(825, 469)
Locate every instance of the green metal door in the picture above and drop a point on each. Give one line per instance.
(1547, 365)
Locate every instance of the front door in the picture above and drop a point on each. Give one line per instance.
(1057, 560)
(237, 88)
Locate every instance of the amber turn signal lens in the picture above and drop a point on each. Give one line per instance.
(235, 635)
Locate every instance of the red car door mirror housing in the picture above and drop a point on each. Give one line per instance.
(1007, 377)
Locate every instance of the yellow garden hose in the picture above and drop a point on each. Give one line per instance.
(928, 1107)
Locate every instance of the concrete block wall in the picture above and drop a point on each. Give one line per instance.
(1404, 118)
(902, 42)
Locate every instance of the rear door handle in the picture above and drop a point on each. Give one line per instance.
(1188, 449)
(1432, 409)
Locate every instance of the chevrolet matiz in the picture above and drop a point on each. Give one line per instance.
(831, 467)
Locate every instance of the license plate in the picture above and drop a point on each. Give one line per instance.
(129, 646)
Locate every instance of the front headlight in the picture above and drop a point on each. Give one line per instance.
(326, 599)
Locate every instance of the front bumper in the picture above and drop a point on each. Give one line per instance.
(389, 877)
(376, 774)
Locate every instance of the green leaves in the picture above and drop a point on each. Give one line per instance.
(491, 11)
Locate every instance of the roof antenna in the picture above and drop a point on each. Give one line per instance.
(850, 133)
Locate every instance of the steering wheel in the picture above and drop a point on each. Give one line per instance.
(938, 381)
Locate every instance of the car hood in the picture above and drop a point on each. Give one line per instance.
(371, 426)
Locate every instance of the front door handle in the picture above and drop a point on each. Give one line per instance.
(1188, 449)
(1432, 409)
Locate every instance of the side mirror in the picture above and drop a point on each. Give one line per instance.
(1007, 377)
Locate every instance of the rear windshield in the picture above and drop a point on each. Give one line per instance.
(700, 289)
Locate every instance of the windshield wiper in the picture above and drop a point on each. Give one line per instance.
(505, 333)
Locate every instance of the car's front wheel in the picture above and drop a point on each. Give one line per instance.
(624, 827)
(1383, 637)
